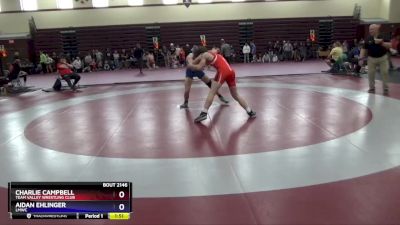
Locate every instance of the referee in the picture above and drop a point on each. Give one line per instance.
(376, 48)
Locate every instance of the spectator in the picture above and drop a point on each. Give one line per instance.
(37, 68)
(131, 58)
(77, 65)
(391, 52)
(354, 56)
(109, 56)
(4, 84)
(88, 63)
(66, 73)
(150, 62)
(270, 46)
(303, 51)
(187, 49)
(55, 58)
(278, 51)
(376, 47)
(271, 54)
(174, 62)
(395, 49)
(296, 52)
(396, 41)
(26, 66)
(43, 61)
(309, 50)
(355, 43)
(14, 70)
(156, 53)
(266, 58)
(334, 56)
(246, 52)
(177, 51)
(99, 58)
(49, 64)
(182, 57)
(166, 55)
(93, 54)
(172, 51)
(225, 50)
(253, 52)
(106, 66)
(275, 58)
(345, 46)
(16, 55)
(314, 50)
(259, 58)
(232, 54)
(116, 58)
(287, 51)
(124, 59)
(138, 53)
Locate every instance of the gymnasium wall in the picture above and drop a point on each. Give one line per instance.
(18, 22)
(385, 9)
(394, 11)
(126, 36)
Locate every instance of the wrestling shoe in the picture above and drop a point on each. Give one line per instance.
(184, 106)
(201, 117)
(223, 100)
(252, 114)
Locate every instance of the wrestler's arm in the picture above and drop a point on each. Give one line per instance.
(200, 65)
(197, 60)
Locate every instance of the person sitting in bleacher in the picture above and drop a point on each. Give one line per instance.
(354, 56)
(15, 71)
(266, 58)
(4, 83)
(150, 61)
(335, 57)
(77, 64)
(66, 73)
(11, 75)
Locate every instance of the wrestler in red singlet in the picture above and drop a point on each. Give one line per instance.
(224, 74)
(224, 70)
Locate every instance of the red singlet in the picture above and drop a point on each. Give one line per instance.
(224, 70)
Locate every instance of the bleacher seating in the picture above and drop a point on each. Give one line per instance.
(126, 36)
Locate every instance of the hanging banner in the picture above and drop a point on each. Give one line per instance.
(312, 36)
(187, 3)
(203, 40)
(155, 43)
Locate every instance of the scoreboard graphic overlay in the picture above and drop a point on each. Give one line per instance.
(70, 200)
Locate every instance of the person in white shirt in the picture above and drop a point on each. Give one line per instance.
(116, 59)
(99, 58)
(287, 51)
(49, 63)
(77, 64)
(246, 53)
(266, 58)
(88, 63)
(150, 61)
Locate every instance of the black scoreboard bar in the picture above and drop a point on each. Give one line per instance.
(70, 200)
